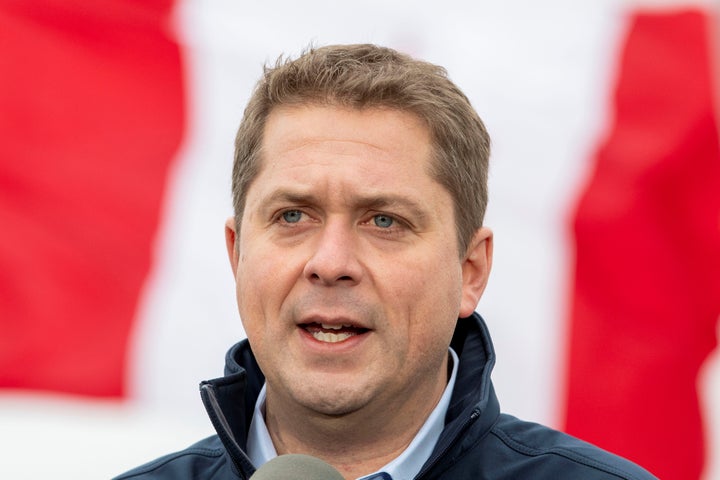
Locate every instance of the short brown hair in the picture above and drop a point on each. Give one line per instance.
(362, 76)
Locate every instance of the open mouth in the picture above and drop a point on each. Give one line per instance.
(327, 333)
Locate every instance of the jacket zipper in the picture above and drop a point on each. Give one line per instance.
(240, 460)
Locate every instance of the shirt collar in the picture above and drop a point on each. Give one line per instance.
(406, 466)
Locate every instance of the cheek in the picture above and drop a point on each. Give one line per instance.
(256, 267)
(427, 293)
(264, 280)
(433, 281)
(251, 288)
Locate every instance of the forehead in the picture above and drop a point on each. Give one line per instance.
(288, 127)
(346, 139)
(372, 149)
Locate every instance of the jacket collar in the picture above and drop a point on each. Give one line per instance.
(474, 403)
(230, 400)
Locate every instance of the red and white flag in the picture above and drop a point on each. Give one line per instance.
(117, 120)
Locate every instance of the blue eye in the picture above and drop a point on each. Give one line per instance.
(383, 221)
(292, 216)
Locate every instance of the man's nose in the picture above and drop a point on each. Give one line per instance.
(334, 259)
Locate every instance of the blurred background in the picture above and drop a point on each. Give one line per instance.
(117, 120)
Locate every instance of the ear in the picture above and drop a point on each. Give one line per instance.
(231, 238)
(476, 270)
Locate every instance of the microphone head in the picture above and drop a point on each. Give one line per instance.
(296, 467)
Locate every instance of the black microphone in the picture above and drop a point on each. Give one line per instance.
(296, 467)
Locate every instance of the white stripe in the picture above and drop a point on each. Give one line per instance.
(667, 5)
(709, 387)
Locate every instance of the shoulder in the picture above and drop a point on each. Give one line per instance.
(206, 456)
(537, 448)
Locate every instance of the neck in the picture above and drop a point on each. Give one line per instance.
(356, 443)
(351, 459)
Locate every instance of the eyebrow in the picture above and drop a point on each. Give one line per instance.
(369, 202)
(288, 196)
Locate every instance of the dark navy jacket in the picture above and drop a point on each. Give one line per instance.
(478, 441)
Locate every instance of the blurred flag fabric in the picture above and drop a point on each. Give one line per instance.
(92, 117)
(646, 295)
(116, 130)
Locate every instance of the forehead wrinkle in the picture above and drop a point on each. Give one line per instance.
(353, 135)
(328, 146)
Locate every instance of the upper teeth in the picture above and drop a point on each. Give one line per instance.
(333, 327)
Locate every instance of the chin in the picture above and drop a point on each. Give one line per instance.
(333, 402)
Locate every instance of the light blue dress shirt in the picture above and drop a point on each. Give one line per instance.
(260, 448)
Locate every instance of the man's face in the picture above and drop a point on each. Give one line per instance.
(349, 281)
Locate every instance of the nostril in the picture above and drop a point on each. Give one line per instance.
(343, 279)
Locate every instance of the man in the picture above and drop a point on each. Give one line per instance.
(360, 255)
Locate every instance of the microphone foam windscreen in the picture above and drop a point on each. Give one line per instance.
(296, 467)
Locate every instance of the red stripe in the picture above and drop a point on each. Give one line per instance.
(91, 97)
(647, 289)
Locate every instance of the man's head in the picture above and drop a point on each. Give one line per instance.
(350, 277)
(369, 76)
